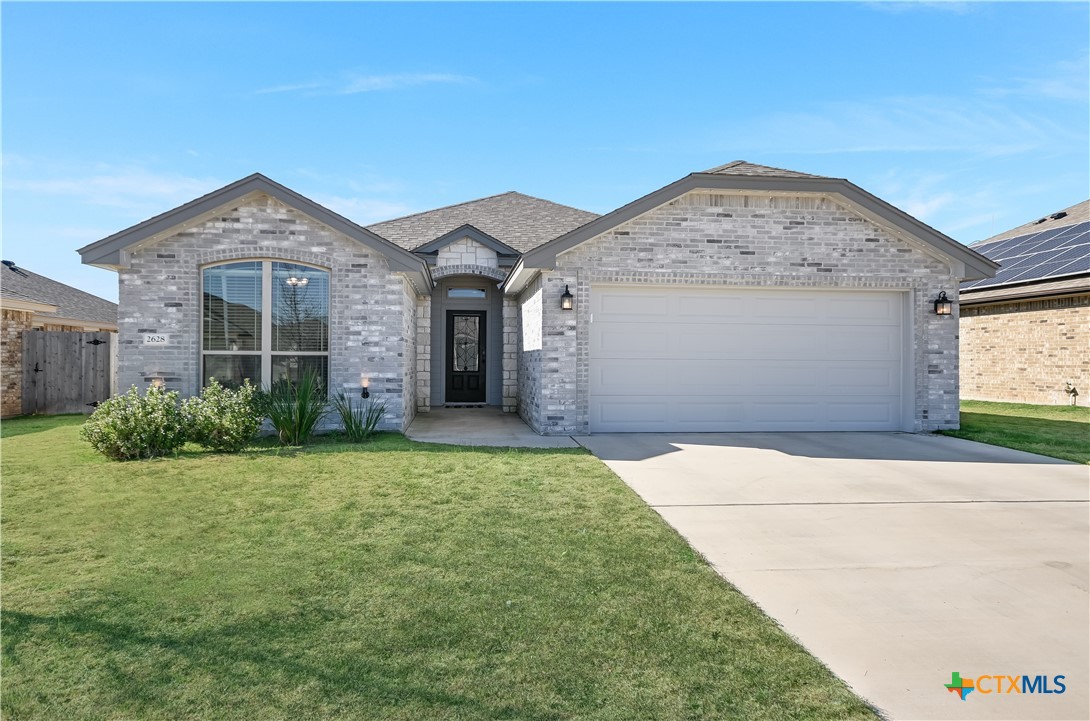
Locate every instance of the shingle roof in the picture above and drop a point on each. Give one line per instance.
(71, 302)
(743, 167)
(520, 221)
(1052, 247)
(1077, 213)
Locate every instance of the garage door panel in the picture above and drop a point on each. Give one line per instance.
(872, 411)
(741, 360)
(619, 306)
(876, 309)
(785, 311)
(704, 308)
(869, 342)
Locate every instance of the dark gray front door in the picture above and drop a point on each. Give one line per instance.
(465, 356)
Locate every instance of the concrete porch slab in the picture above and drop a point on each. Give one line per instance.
(485, 426)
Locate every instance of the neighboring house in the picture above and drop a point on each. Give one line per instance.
(737, 299)
(1025, 334)
(29, 301)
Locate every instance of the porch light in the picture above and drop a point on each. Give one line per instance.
(364, 393)
(567, 301)
(943, 305)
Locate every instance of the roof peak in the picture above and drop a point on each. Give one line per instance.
(744, 167)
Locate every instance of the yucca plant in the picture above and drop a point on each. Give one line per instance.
(295, 409)
(360, 420)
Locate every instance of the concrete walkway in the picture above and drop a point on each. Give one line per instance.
(896, 559)
(487, 426)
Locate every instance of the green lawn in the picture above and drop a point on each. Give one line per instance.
(393, 581)
(1057, 431)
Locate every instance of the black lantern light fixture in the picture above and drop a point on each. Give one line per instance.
(567, 301)
(364, 382)
(943, 305)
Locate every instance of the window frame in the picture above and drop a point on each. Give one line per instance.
(266, 352)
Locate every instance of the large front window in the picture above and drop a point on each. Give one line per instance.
(265, 321)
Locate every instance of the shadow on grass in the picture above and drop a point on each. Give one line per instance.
(386, 442)
(24, 425)
(247, 653)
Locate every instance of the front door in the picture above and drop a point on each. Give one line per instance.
(465, 356)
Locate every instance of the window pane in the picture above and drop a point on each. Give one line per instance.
(232, 306)
(291, 368)
(466, 293)
(300, 313)
(231, 370)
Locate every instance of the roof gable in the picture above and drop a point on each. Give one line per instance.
(108, 252)
(467, 231)
(520, 222)
(873, 208)
(743, 167)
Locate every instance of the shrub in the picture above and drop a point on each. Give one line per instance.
(359, 419)
(296, 408)
(133, 426)
(222, 419)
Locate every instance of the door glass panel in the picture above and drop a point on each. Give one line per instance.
(466, 342)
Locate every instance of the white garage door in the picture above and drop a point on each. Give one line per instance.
(693, 359)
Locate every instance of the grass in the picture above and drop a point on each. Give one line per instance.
(1057, 431)
(390, 581)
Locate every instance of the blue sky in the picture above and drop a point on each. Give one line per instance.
(973, 117)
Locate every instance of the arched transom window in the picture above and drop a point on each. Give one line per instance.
(264, 320)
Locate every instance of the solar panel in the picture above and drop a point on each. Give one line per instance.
(1057, 251)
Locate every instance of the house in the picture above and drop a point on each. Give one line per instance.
(741, 298)
(1025, 333)
(29, 301)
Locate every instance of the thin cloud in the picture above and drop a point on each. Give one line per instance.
(896, 7)
(1066, 80)
(903, 125)
(355, 83)
(129, 187)
(364, 211)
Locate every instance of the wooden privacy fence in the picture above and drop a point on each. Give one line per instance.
(65, 371)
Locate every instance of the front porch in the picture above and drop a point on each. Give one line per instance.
(466, 341)
(481, 426)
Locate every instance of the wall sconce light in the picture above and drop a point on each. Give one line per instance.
(567, 301)
(943, 305)
(364, 393)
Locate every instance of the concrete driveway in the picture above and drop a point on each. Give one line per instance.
(896, 559)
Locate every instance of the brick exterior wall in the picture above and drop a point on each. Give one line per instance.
(1026, 351)
(528, 401)
(13, 323)
(737, 240)
(423, 354)
(510, 355)
(372, 311)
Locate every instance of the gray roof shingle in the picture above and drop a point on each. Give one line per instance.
(520, 221)
(1077, 213)
(71, 302)
(743, 167)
